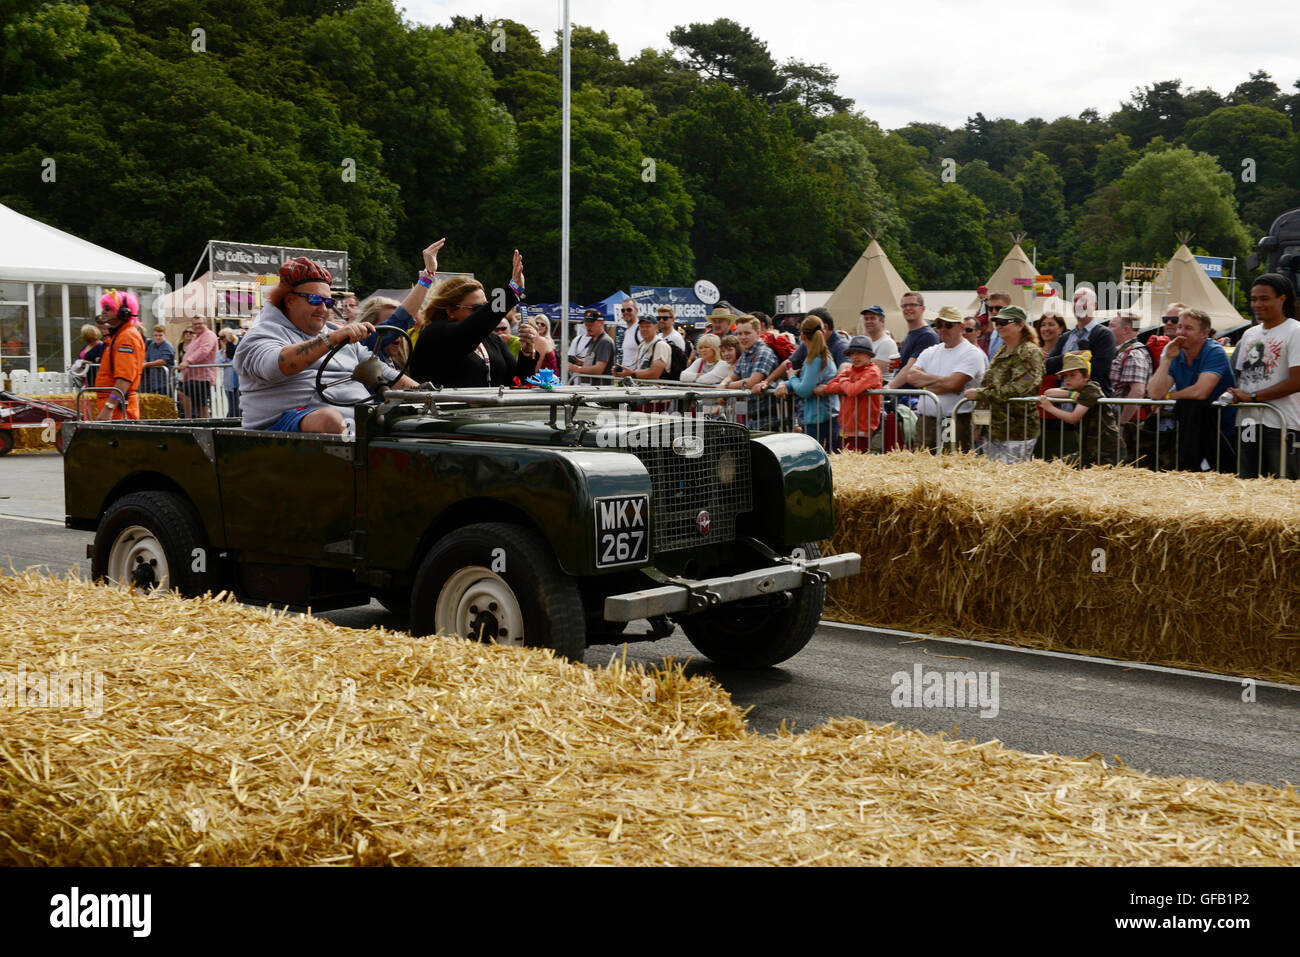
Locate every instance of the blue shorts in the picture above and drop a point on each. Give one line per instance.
(291, 421)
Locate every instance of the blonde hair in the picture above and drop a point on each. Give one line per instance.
(447, 295)
(90, 333)
(370, 309)
(754, 323)
(711, 341)
(813, 329)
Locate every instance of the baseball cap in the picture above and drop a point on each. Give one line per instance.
(876, 309)
(591, 315)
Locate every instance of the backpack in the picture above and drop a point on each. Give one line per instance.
(782, 346)
(678, 364)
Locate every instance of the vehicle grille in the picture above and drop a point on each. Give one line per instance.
(683, 487)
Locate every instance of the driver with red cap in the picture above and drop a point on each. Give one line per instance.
(277, 361)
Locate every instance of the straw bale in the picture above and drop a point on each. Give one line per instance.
(1191, 570)
(151, 407)
(231, 735)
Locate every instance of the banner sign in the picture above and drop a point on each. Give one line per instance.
(552, 310)
(1213, 266)
(246, 259)
(684, 302)
(1018, 281)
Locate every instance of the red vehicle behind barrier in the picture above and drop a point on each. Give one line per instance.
(22, 412)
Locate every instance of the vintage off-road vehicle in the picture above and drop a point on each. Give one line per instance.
(541, 517)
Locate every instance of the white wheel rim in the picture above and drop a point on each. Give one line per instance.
(472, 599)
(136, 546)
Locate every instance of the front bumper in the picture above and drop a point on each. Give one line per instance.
(686, 595)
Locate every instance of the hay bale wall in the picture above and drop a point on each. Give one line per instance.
(1196, 571)
(152, 406)
(233, 736)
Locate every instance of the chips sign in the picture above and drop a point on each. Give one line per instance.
(706, 292)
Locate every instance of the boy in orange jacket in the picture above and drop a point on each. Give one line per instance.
(859, 413)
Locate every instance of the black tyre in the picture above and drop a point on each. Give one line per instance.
(6, 441)
(759, 632)
(498, 582)
(154, 540)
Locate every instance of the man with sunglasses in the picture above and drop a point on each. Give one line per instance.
(626, 341)
(988, 339)
(277, 360)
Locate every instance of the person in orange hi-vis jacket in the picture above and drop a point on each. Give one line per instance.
(121, 365)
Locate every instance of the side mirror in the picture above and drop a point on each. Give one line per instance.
(1252, 262)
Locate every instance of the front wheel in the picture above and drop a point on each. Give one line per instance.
(155, 541)
(499, 583)
(759, 632)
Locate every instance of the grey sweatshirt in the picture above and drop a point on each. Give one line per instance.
(265, 393)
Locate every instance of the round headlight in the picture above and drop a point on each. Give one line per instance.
(726, 468)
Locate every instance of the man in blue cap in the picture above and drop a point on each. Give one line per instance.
(873, 322)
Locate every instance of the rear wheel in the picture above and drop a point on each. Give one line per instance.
(499, 583)
(155, 541)
(759, 632)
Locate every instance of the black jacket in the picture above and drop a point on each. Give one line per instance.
(446, 354)
(1100, 342)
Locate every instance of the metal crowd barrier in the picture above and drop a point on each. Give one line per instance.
(188, 397)
(1152, 442)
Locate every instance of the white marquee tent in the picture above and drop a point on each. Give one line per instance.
(50, 284)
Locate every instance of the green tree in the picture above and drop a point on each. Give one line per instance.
(426, 94)
(861, 204)
(724, 50)
(1175, 190)
(813, 86)
(948, 248)
(1042, 207)
(1253, 144)
(1115, 156)
(762, 222)
(1000, 196)
(1259, 90)
(630, 220)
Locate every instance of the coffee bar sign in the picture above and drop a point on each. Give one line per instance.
(246, 259)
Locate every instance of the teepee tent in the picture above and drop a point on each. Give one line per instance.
(1185, 281)
(1015, 265)
(873, 281)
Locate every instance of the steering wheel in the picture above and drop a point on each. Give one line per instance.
(368, 372)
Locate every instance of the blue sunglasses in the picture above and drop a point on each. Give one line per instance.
(316, 300)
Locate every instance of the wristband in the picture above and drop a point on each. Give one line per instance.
(517, 289)
(424, 281)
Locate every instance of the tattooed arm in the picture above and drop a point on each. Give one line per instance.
(297, 356)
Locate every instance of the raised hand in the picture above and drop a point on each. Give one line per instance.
(430, 254)
(517, 271)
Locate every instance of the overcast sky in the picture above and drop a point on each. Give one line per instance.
(943, 61)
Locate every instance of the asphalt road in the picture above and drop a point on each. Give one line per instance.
(1167, 722)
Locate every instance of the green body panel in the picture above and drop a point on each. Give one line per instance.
(288, 497)
(104, 462)
(456, 482)
(791, 469)
(377, 503)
